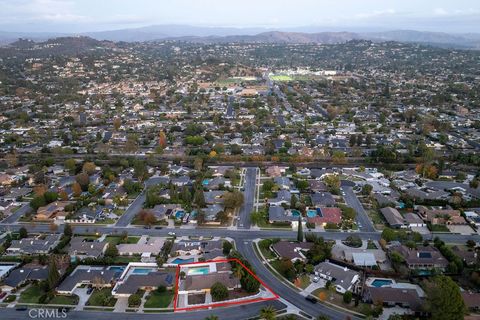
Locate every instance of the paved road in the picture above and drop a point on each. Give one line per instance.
(17, 214)
(230, 313)
(362, 217)
(249, 184)
(287, 293)
(132, 210)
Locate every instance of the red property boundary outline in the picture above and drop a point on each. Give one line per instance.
(220, 304)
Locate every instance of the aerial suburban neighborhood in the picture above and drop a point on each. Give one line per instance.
(239, 177)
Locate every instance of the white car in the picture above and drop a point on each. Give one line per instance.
(171, 233)
(316, 279)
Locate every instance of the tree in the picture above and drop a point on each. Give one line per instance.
(67, 230)
(37, 202)
(219, 291)
(147, 217)
(300, 237)
(23, 233)
(367, 189)
(111, 251)
(249, 283)
(233, 199)
(347, 297)
(227, 247)
(134, 300)
(53, 275)
(162, 140)
(76, 189)
(89, 168)
(388, 234)
(444, 300)
(117, 122)
(268, 313)
(353, 140)
(199, 198)
(287, 269)
(83, 180)
(70, 165)
(339, 157)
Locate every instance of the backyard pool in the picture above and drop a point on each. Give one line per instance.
(295, 213)
(118, 270)
(193, 214)
(198, 271)
(142, 270)
(311, 213)
(205, 182)
(180, 261)
(382, 282)
(179, 214)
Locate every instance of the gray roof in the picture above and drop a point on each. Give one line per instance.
(393, 217)
(20, 275)
(212, 197)
(279, 214)
(35, 245)
(340, 276)
(322, 199)
(152, 279)
(282, 196)
(80, 247)
(86, 275)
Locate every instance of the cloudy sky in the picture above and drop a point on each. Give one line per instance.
(97, 15)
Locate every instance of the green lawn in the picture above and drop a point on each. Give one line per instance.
(114, 240)
(66, 300)
(102, 298)
(159, 300)
(126, 259)
(10, 298)
(267, 253)
(303, 281)
(31, 294)
(281, 77)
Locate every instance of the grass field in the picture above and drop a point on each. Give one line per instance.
(281, 77)
(159, 300)
(31, 294)
(102, 298)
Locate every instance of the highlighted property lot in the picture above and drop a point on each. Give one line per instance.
(218, 283)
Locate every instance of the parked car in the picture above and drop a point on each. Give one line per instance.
(316, 279)
(311, 299)
(158, 228)
(172, 234)
(89, 290)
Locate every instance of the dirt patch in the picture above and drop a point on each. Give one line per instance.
(196, 298)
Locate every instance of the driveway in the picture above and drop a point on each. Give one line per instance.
(13, 218)
(249, 184)
(121, 305)
(82, 297)
(132, 210)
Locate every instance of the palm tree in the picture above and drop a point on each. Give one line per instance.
(211, 317)
(268, 313)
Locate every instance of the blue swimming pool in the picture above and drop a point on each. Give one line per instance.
(118, 270)
(142, 270)
(181, 261)
(179, 214)
(311, 213)
(295, 213)
(198, 271)
(193, 214)
(381, 282)
(205, 182)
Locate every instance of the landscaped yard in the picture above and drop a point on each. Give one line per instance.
(303, 281)
(31, 294)
(333, 297)
(159, 299)
(102, 298)
(114, 240)
(264, 248)
(67, 300)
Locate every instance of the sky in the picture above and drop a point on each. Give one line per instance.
(76, 16)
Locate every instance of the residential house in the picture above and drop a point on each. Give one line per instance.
(342, 278)
(52, 211)
(145, 244)
(38, 245)
(292, 250)
(322, 199)
(283, 197)
(82, 275)
(422, 258)
(326, 215)
(82, 248)
(20, 276)
(393, 217)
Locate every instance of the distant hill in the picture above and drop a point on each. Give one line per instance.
(56, 46)
(220, 34)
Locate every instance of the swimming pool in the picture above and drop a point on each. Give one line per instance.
(205, 182)
(180, 261)
(118, 270)
(198, 271)
(193, 214)
(142, 270)
(311, 213)
(179, 214)
(381, 283)
(295, 213)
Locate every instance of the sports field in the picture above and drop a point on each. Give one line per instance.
(281, 77)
